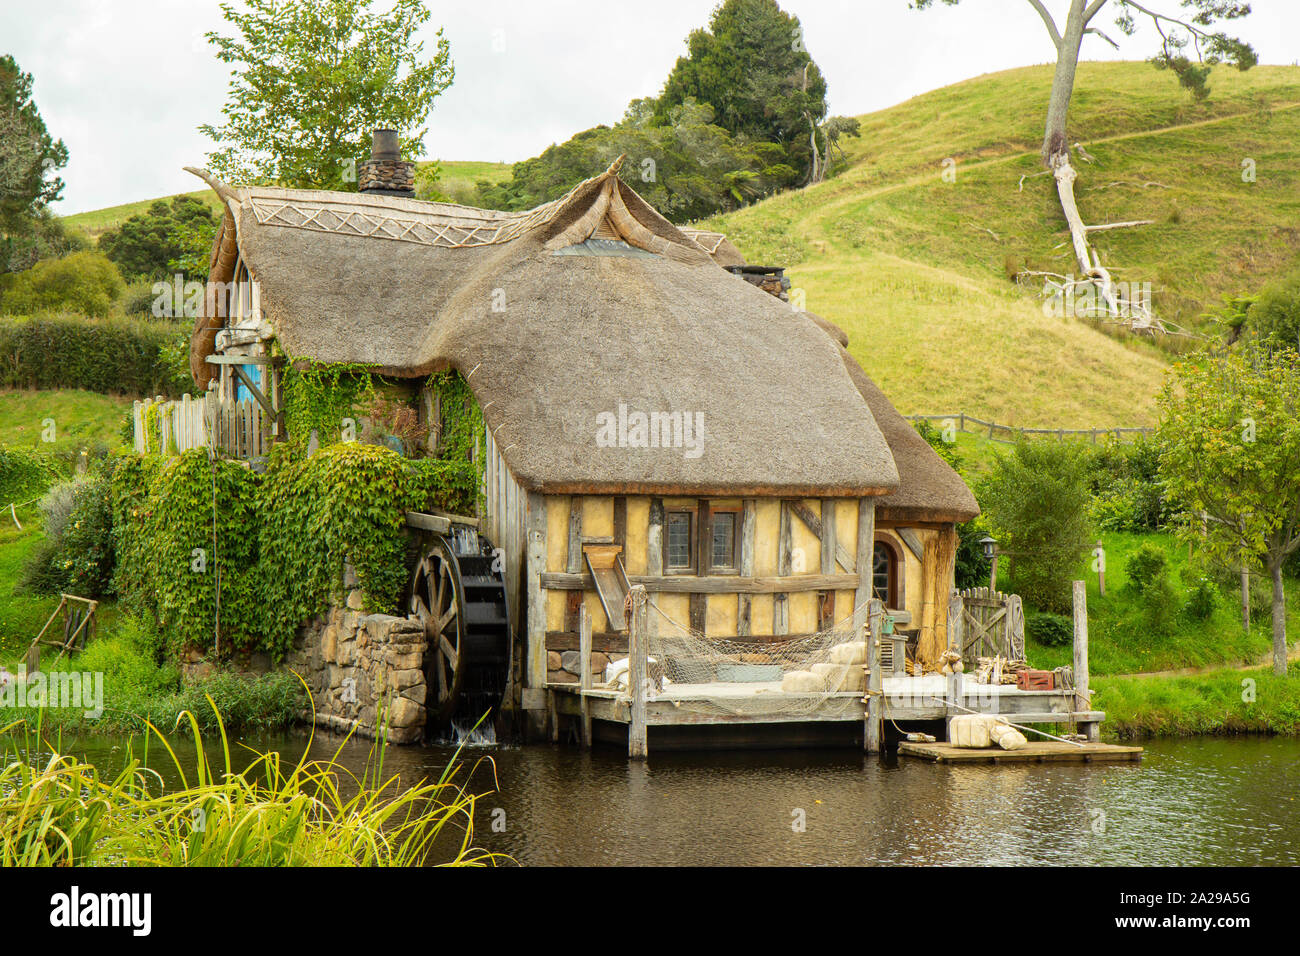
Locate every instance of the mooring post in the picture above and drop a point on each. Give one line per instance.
(636, 673)
(872, 731)
(1082, 697)
(584, 653)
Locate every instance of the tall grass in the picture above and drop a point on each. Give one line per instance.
(57, 810)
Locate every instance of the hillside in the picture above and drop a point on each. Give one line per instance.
(916, 268)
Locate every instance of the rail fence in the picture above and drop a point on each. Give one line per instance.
(994, 430)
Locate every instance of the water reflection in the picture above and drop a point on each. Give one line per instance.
(1189, 802)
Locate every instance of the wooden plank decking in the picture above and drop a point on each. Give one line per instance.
(1045, 751)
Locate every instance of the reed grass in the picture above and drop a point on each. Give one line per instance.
(58, 810)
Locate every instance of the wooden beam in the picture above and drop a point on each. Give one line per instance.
(864, 560)
(745, 603)
(913, 542)
(814, 524)
(714, 584)
(873, 731)
(636, 675)
(573, 562)
(275, 360)
(253, 390)
(584, 657)
(827, 537)
(535, 632)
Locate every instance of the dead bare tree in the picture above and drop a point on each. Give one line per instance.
(1177, 33)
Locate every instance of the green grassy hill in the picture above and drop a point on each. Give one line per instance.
(916, 269)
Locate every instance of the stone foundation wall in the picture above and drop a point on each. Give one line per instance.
(565, 667)
(358, 665)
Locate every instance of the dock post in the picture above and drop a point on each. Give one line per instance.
(1082, 696)
(584, 653)
(636, 674)
(871, 735)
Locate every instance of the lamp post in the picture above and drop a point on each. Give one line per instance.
(990, 546)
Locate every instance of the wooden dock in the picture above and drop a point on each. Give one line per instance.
(1045, 751)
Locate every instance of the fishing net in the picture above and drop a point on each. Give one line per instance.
(822, 672)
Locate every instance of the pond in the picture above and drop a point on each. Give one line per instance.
(1206, 801)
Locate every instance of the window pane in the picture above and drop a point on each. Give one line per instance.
(724, 540)
(881, 568)
(679, 540)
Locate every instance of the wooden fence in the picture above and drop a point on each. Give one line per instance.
(1013, 432)
(239, 429)
(986, 623)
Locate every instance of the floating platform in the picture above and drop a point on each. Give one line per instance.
(1045, 751)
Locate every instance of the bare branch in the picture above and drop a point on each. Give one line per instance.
(1052, 31)
(1102, 35)
(1092, 11)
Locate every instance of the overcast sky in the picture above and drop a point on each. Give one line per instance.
(125, 83)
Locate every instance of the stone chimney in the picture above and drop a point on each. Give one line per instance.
(385, 173)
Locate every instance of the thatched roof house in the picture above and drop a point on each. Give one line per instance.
(629, 384)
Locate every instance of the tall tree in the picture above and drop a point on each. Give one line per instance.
(752, 67)
(28, 154)
(1195, 29)
(1229, 437)
(312, 79)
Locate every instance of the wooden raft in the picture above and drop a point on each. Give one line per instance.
(1044, 751)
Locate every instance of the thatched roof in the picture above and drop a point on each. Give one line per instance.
(553, 328)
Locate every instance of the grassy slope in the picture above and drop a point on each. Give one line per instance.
(80, 418)
(457, 180)
(904, 262)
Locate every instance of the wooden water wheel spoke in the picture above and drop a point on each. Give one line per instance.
(448, 652)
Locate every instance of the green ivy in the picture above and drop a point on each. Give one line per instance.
(283, 536)
(320, 397)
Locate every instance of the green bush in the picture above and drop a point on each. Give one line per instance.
(111, 356)
(166, 239)
(1128, 494)
(1203, 599)
(78, 554)
(1050, 630)
(1146, 567)
(86, 283)
(25, 475)
(1037, 500)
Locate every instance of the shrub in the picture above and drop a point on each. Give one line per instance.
(78, 555)
(1146, 567)
(165, 239)
(112, 356)
(1128, 494)
(25, 475)
(1203, 599)
(1037, 500)
(86, 283)
(1148, 578)
(1050, 630)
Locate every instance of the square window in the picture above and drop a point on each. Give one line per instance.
(679, 550)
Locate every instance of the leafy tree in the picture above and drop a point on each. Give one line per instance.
(1230, 452)
(28, 156)
(1196, 30)
(85, 282)
(688, 168)
(167, 238)
(1036, 499)
(1274, 317)
(752, 67)
(313, 79)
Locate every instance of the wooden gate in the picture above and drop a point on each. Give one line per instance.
(984, 623)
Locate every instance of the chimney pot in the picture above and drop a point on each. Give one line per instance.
(385, 173)
(384, 145)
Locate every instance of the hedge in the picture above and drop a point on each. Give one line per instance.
(111, 356)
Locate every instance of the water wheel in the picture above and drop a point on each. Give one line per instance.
(458, 594)
(438, 601)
